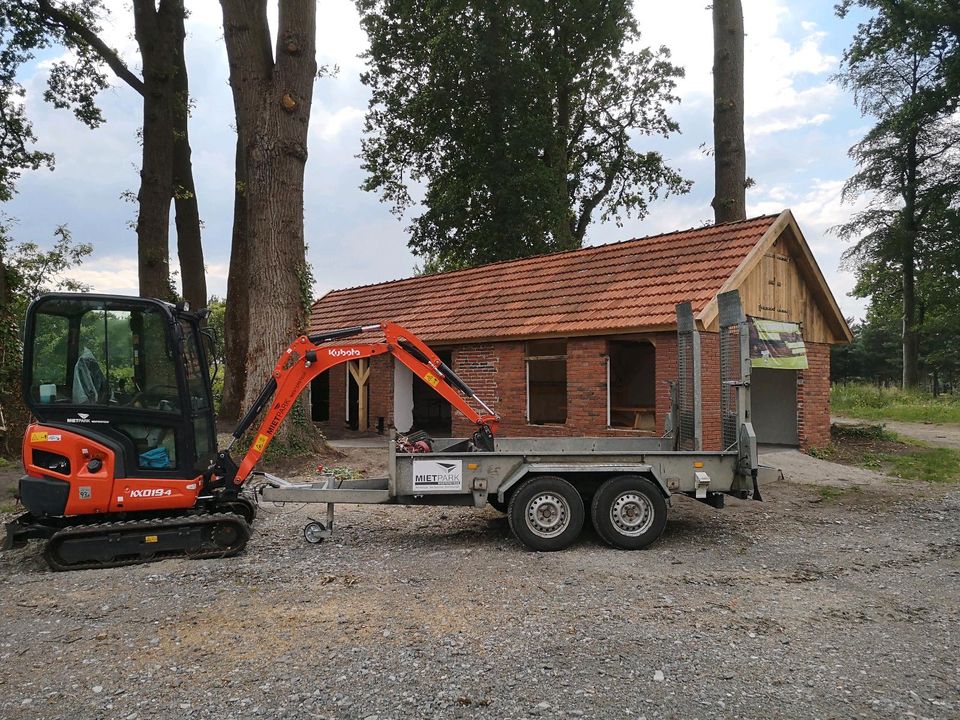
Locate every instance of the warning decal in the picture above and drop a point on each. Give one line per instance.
(435, 475)
(261, 442)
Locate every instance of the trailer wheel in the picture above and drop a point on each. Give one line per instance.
(629, 512)
(546, 513)
(314, 532)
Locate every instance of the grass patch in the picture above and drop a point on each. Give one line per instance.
(875, 448)
(6, 464)
(939, 465)
(831, 492)
(869, 402)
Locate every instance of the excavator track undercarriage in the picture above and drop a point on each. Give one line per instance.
(131, 542)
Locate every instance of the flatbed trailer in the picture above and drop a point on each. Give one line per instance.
(548, 486)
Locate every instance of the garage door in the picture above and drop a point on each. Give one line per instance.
(774, 400)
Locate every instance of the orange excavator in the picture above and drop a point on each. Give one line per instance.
(122, 465)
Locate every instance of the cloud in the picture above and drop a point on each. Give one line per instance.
(781, 124)
(109, 274)
(327, 125)
(775, 69)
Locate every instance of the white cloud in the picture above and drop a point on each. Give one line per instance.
(775, 69)
(781, 124)
(109, 274)
(327, 124)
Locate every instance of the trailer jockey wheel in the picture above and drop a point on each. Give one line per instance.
(629, 512)
(315, 532)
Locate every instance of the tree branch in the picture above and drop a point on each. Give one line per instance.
(70, 25)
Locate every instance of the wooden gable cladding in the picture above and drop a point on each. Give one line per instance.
(780, 280)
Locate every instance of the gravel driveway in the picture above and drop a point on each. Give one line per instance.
(799, 606)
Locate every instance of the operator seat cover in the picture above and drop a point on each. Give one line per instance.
(89, 382)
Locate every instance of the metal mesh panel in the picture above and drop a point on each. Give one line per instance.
(731, 320)
(729, 374)
(686, 422)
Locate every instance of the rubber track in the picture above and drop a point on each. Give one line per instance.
(139, 527)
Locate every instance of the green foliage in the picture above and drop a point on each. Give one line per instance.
(870, 402)
(29, 272)
(29, 27)
(344, 472)
(903, 67)
(519, 121)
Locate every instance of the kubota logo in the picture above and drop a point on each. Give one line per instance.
(343, 352)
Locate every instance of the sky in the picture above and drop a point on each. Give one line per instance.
(799, 125)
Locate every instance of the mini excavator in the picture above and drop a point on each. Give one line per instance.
(122, 465)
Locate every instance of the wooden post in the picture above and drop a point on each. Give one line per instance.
(360, 371)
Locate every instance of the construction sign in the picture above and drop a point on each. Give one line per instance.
(776, 344)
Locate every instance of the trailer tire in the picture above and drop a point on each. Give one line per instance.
(629, 512)
(546, 513)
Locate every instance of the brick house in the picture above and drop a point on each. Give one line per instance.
(582, 342)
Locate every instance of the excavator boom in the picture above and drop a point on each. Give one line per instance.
(309, 356)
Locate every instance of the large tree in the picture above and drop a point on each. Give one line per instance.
(28, 26)
(908, 169)
(730, 156)
(519, 122)
(268, 289)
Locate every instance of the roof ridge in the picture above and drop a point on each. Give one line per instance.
(556, 253)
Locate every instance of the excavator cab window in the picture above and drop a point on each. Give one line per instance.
(127, 369)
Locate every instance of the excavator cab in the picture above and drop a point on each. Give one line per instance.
(130, 373)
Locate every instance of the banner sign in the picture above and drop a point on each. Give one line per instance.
(777, 344)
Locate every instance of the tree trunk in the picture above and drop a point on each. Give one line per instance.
(730, 160)
(160, 36)
(495, 81)
(154, 30)
(272, 100)
(237, 316)
(193, 277)
(908, 240)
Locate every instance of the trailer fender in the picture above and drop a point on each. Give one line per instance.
(569, 469)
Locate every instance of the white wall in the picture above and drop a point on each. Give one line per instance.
(402, 397)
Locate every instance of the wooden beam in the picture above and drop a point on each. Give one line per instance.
(360, 372)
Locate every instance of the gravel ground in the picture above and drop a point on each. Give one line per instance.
(801, 606)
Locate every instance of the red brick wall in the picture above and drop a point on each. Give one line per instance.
(497, 372)
(813, 397)
(381, 390)
(710, 390)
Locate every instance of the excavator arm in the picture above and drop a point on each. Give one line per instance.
(306, 358)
